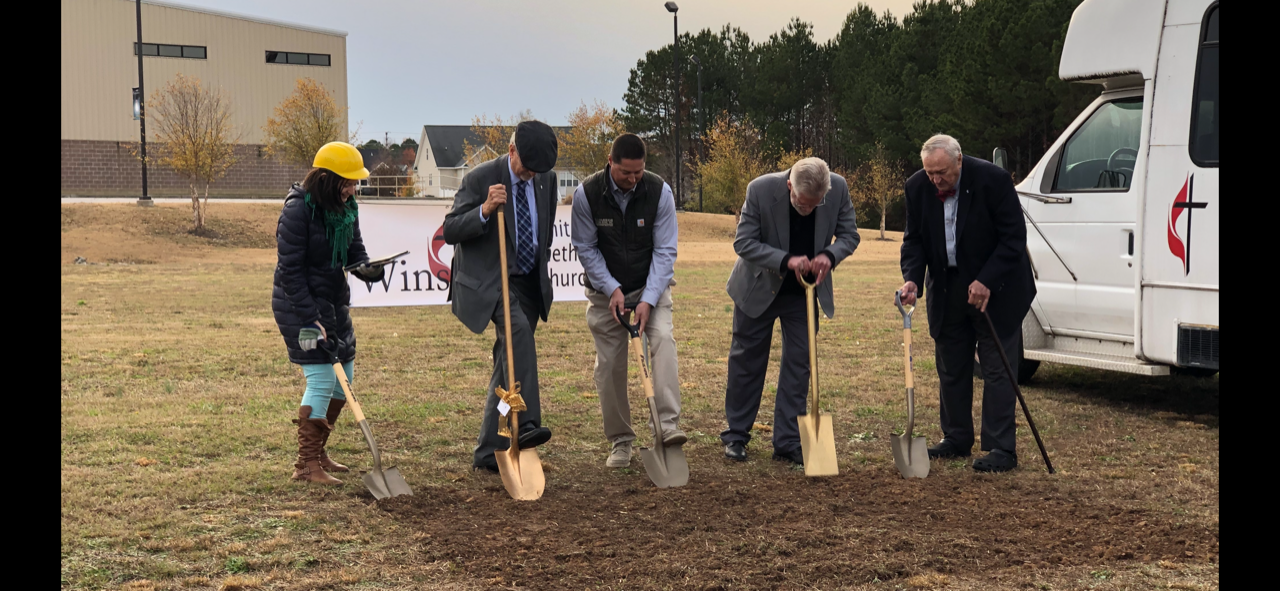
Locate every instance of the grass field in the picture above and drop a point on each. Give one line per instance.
(176, 447)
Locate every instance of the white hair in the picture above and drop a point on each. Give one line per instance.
(811, 178)
(512, 142)
(942, 142)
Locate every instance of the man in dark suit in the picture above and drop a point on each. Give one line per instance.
(798, 222)
(967, 244)
(475, 286)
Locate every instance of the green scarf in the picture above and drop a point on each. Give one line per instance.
(339, 228)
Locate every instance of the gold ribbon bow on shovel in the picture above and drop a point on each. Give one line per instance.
(521, 470)
(817, 439)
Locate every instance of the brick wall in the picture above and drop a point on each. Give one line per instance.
(109, 169)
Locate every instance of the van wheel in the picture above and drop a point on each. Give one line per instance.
(1026, 367)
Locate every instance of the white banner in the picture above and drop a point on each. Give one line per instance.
(421, 278)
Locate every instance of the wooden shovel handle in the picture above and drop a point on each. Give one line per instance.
(341, 374)
(906, 357)
(645, 378)
(811, 318)
(512, 415)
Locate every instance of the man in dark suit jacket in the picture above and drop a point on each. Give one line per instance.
(967, 244)
(475, 286)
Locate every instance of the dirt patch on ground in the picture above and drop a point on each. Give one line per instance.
(787, 532)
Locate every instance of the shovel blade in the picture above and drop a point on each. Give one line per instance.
(521, 472)
(387, 484)
(666, 466)
(818, 445)
(910, 455)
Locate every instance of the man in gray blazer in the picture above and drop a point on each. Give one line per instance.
(786, 231)
(475, 286)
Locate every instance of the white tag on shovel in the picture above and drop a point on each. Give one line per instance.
(503, 407)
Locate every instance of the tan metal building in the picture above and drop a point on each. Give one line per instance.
(255, 61)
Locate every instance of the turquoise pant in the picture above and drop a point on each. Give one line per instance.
(322, 385)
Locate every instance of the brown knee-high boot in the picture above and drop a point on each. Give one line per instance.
(335, 409)
(311, 434)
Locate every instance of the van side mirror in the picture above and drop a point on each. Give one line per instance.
(1000, 157)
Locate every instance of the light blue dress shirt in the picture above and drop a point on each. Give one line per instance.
(949, 208)
(533, 208)
(665, 234)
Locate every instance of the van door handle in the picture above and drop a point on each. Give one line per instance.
(1130, 243)
(1044, 198)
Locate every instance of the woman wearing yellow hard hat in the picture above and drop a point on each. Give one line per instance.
(317, 236)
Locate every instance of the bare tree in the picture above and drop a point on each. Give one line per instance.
(878, 182)
(303, 122)
(194, 136)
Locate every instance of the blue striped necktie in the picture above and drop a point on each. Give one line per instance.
(525, 254)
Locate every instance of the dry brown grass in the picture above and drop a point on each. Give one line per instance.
(179, 363)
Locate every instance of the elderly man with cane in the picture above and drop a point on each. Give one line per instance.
(624, 228)
(475, 285)
(966, 244)
(794, 223)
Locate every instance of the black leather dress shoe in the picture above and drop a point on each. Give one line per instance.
(946, 450)
(998, 460)
(534, 437)
(736, 451)
(490, 466)
(795, 456)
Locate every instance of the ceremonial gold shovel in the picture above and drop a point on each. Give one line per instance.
(817, 439)
(521, 470)
(666, 466)
(910, 453)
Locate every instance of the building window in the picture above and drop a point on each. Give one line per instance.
(1203, 144)
(195, 52)
(297, 59)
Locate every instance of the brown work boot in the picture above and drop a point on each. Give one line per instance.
(335, 409)
(311, 434)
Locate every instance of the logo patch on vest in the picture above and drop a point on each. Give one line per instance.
(604, 222)
(640, 223)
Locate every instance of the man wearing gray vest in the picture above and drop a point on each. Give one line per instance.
(797, 222)
(624, 229)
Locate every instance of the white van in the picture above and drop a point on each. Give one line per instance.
(1122, 212)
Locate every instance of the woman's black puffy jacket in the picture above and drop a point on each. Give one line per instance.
(307, 287)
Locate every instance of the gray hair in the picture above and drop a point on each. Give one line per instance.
(811, 178)
(942, 142)
(512, 142)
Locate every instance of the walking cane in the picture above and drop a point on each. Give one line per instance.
(1013, 379)
(521, 470)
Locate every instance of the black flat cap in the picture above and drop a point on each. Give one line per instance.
(537, 146)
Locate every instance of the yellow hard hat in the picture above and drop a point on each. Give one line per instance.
(342, 158)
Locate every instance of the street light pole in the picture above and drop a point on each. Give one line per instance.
(675, 100)
(702, 130)
(145, 200)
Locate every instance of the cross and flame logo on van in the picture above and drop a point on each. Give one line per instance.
(1185, 201)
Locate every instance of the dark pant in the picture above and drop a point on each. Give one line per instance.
(963, 327)
(526, 302)
(748, 361)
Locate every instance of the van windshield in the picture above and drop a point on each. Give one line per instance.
(1101, 154)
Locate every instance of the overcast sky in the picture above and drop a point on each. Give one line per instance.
(411, 63)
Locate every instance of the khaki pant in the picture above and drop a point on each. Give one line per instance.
(612, 355)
